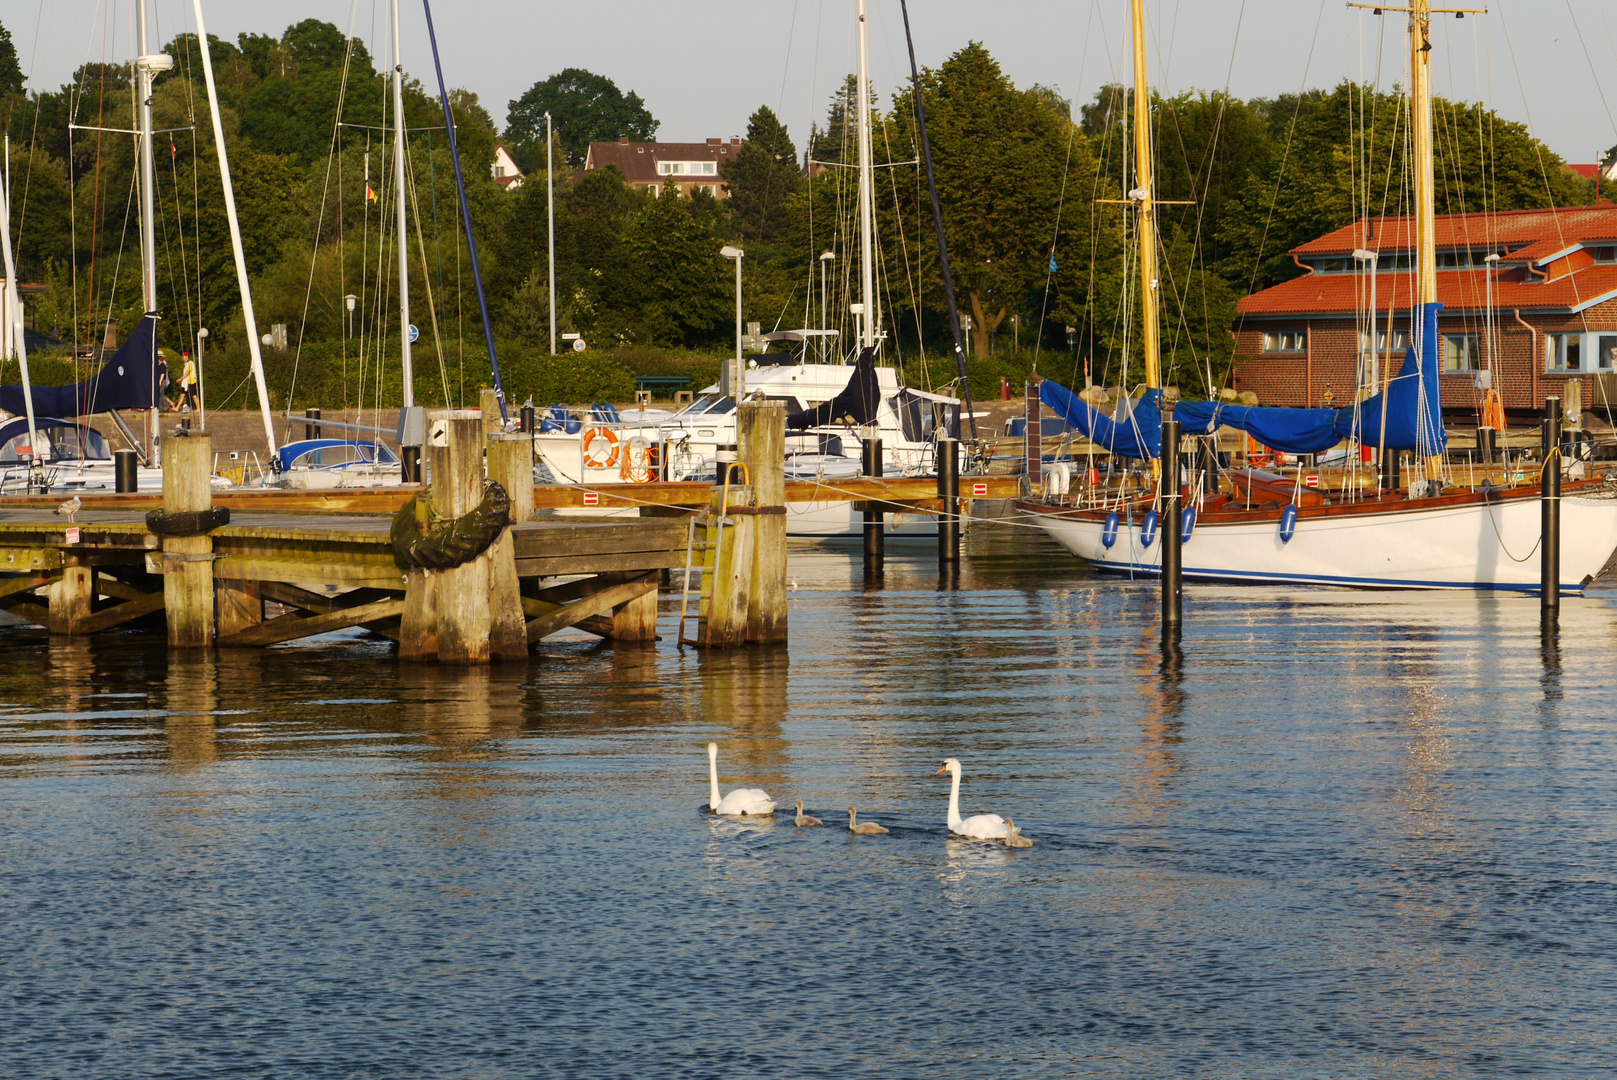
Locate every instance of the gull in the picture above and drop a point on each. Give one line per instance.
(70, 507)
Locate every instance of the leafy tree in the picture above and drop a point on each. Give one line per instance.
(680, 295)
(761, 178)
(584, 108)
(11, 77)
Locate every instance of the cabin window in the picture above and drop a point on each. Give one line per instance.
(1605, 253)
(1563, 352)
(1462, 352)
(1284, 341)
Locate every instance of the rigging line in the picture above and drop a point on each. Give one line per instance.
(33, 135)
(426, 274)
(1257, 262)
(1590, 60)
(320, 214)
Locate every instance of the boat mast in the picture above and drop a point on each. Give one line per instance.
(1420, 125)
(143, 106)
(867, 320)
(1145, 204)
(398, 199)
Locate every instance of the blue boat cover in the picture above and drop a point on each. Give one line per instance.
(1139, 436)
(127, 381)
(856, 404)
(1413, 404)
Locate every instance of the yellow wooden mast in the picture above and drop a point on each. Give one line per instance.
(1145, 204)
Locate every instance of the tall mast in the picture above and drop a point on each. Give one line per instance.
(398, 199)
(1420, 125)
(143, 111)
(867, 291)
(1142, 196)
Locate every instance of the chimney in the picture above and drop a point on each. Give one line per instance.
(623, 140)
(735, 140)
(714, 142)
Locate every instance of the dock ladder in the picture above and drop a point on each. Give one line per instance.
(705, 554)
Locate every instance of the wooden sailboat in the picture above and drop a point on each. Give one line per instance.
(1269, 528)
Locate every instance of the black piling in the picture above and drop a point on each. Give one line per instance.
(1170, 530)
(410, 464)
(1207, 463)
(124, 477)
(1389, 470)
(949, 496)
(527, 423)
(311, 430)
(875, 540)
(1549, 554)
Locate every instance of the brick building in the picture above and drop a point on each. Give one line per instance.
(648, 165)
(1551, 277)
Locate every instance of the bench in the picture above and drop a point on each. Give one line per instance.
(661, 382)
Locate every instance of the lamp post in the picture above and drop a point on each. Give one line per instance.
(740, 381)
(350, 300)
(202, 386)
(550, 210)
(826, 258)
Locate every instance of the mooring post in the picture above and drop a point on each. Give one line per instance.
(761, 444)
(71, 596)
(188, 560)
(875, 536)
(125, 478)
(526, 424)
(489, 407)
(949, 496)
(1172, 524)
(1549, 556)
(510, 464)
(730, 594)
(1207, 457)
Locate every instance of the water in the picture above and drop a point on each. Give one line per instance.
(1353, 835)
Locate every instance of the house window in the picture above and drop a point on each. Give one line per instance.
(1605, 357)
(710, 168)
(1400, 341)
(1283, 341)
(1398, 261)
(499, 171)
(1462, 352)
(1605, 253)
(1563, 352)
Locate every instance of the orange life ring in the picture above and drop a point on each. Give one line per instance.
(594, 457)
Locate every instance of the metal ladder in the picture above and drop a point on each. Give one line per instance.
(709, 551)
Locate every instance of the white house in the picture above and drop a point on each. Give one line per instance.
(505, 171)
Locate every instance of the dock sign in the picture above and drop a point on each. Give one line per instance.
(1311, 481)
(979, 489)
(415, 333)
(592, 498)
(73, 536)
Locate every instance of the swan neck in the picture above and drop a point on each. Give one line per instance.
(713, 781)
(954, 798)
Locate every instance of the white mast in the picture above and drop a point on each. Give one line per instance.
(398, 198)
(867, 292)
(1145, 201)
(550, 212)
(235, 233)
(144, 66)
(11, 310)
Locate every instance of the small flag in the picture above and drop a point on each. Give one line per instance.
(370, 196)
(173, 151)
(1053, 266)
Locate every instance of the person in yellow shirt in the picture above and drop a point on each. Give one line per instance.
(188, 385)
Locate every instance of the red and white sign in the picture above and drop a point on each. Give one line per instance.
(979, 489)
(592, 498)
(73, 535)
(1311, 481)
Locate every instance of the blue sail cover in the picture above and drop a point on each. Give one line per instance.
(1413, 404)
(1139, 436)
(127, 381)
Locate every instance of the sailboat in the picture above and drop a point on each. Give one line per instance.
(62, 453)
(1270, 528)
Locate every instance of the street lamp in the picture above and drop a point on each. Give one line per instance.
(202, 386)
(350, 300)
(740, 382)
(826, 258)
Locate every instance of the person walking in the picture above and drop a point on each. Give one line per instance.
(188, 384)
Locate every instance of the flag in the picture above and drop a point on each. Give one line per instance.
(1053, 266)
(173, 151)
(370, 196)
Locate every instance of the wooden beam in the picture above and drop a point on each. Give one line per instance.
(24, 583)
(106, 618)
(586, 564)
(600, 603)
(34, 613)
(291, 626)
(292, 596)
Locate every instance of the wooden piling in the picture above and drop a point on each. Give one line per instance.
(1549, 554)
(875, 520)
(71, 596)
(471, 613)
(510, 464)
(239, 605)
(948, 455)
(1170, 531)
(761, 445)
(730, 594)
(188, 560)
(489, 403)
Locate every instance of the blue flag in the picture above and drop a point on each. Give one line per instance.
(1053, 266)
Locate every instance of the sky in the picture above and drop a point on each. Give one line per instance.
(703, 68)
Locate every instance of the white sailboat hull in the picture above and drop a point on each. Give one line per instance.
(1468, 546)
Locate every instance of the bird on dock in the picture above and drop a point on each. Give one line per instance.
(1016, 839)
(754, 801)
(869, 828)
(980, 827)
(70, 507)
(803, 819)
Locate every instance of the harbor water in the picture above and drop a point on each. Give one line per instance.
(1345, 835)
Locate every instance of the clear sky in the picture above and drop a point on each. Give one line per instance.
(703, 67)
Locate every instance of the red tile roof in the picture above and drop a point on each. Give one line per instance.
(1458, 290)
(1520, 234)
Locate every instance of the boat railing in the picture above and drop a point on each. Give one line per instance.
(240, 467)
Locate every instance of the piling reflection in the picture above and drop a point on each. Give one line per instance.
(190, 702)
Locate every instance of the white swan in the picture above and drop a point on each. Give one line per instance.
(804, 819)
(981, 827)
(748, 800)
(863, 828)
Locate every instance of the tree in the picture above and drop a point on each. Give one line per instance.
(679, 293)
(584, 108)
(761, 178)
(11, 77)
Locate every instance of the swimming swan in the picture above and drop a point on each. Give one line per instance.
(981, 827)
(803, 819)
(869, 828)
(1016, 839)
(741, 800)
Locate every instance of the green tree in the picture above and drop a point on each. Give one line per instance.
(679, 289)
(584, 108)
(11, 77)
(762, 178)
